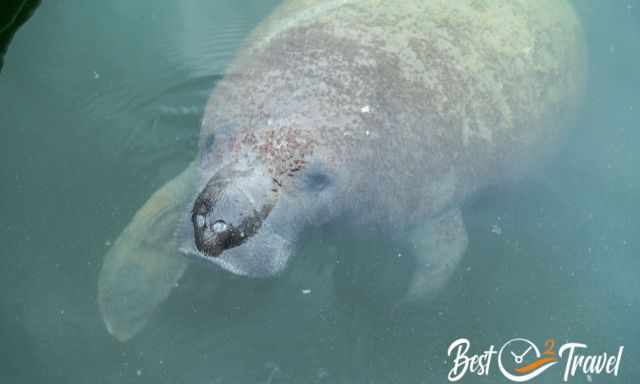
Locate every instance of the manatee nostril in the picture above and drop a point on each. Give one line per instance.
(219, 226)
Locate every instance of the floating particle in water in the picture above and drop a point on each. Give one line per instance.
(496, 229)
(274, 370)
(96, 75)
(322, 373)
(365, 109)
(306, 291)
(139, 372)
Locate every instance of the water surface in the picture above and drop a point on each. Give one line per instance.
(100, 104)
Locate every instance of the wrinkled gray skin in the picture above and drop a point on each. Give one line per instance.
(385, 116)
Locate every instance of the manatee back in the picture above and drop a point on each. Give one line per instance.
(498, 73)
(428, 101)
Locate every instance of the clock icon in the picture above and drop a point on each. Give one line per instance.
(520, 360)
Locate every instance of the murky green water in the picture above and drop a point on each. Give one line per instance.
(100, 104)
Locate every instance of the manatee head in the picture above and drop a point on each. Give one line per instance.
(238, 207)
(250, 211)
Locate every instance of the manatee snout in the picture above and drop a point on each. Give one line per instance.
(247, 221)
(238, 225)
(224, 216)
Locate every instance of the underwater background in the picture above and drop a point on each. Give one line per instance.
(100, 104)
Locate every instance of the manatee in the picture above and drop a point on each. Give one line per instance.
(381, 116)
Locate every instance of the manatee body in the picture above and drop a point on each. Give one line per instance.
(381, 115)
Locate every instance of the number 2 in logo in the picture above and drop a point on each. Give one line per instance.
(549, 345)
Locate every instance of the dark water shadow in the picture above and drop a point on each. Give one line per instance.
(13, 13)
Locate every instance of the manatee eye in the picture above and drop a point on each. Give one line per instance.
(317, 180)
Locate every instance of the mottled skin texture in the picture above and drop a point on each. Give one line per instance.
(382, 115)
(423, 103)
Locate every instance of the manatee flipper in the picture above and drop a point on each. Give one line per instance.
(438, 247)
(143, 265)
